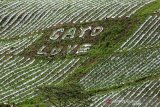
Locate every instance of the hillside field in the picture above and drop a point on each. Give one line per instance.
(79, 53)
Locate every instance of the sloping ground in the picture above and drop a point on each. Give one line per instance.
(122, 68)
(20, 17)
(20, 76)
(147, 34)
(137, 59)
(144, 95)
(127, 76)
(130, 64)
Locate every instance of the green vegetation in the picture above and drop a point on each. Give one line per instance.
(115, 33)
(65, 94)
(69, 92)
(60, 95)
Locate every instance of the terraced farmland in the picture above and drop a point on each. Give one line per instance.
(121, 68)
(20, 75)
(25, 16)
(109, 47)
(132, 64)
(145, 95)
(146, 35)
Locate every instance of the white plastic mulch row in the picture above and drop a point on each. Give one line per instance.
(18, 45)
(127, 66)
(144, 95)
(21, 17)
(20, 76)
(148, 34)
(120, 68)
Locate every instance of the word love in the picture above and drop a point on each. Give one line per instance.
(75, 49)
(71, 33)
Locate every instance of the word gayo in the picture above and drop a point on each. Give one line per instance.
(62, 35)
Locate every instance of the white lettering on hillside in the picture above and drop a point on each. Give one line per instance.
(70, 34)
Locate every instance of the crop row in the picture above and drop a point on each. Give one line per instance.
(17, 46)
(121, 68)
(17, 18)
(148, 34)
(144, 95)
(20, 76)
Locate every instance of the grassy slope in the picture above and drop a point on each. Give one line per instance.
(116, 32)
(136, 20)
